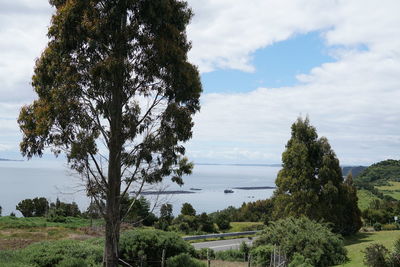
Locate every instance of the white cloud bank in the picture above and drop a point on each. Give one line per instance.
(353, 101)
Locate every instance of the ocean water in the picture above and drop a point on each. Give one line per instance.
(20, 180)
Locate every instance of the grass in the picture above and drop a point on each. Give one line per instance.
(392, 190)
(356, 244)
(16, 233)
(8, 222)
(365, 197)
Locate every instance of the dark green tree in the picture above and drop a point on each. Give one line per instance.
(166, 217)
(116, 93)
(187, 209)
(25, 207)
(1, 209)
(36, 207)
(310, 182)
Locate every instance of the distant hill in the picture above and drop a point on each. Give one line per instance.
(380, 173)
(355, 170)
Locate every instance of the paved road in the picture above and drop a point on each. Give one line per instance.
(223, 244)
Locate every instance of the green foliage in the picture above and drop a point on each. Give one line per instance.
(389, 227)
(261, 255)
(48, 254)
(313, 240)
(184, 260)
(134, 244)
(36, 207)
(222, 221)
(187, 209)
(230, 255)
(62, 209)
(1, 209)
(310, 182)
(380, 173)
(376, 255)
(300, 261)
(115, 77)
(166, 217)
(206, 224)
(9, 222)
(202, 253)
(137, 211)
(257, 211)
(377, 226)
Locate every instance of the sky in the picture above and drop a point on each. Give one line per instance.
(263, 64)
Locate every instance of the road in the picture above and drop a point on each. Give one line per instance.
(220, 245)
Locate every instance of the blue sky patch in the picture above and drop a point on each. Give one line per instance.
(275, 66)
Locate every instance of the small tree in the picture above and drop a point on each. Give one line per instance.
(222, 221)
(166, 217)
(26, 207)
(1, 209)
(187, 209)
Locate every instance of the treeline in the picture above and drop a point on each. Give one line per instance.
(379, 174)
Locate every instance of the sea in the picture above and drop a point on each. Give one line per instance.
(29, 179)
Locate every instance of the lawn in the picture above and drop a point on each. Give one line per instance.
(355, 245)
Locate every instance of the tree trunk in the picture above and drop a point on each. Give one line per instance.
(113, 219)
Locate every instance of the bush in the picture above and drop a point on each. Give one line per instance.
(202, 253)
(261, 255)
(150, 243)
(230, 255)
(300, 261)
(184, 260)
(313, 240)
(377, 226)
(389, 227)
(73, 262)
(47, 254)
(376, 255)
(222, 221)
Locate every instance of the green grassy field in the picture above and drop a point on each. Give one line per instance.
(355, 245)
(365, 197)
(392, 190)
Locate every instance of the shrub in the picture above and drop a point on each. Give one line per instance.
(74, 262)
(202, 253)
(377, 226)
(300, 261)
(47, 254)
(375, 255)
(222, 221)
(184, 260)
(302, 235)
(389, 227)
(261, 255)
(150, 243)
(230, 255)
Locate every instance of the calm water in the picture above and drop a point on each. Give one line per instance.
(20, 180)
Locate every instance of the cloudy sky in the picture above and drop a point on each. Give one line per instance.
(263, 63)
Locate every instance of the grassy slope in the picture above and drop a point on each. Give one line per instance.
(17, 233)
(392, 190)
(365, 197)
(356, 245)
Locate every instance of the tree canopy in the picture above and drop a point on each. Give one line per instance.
(310, 182)
(116, 94)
